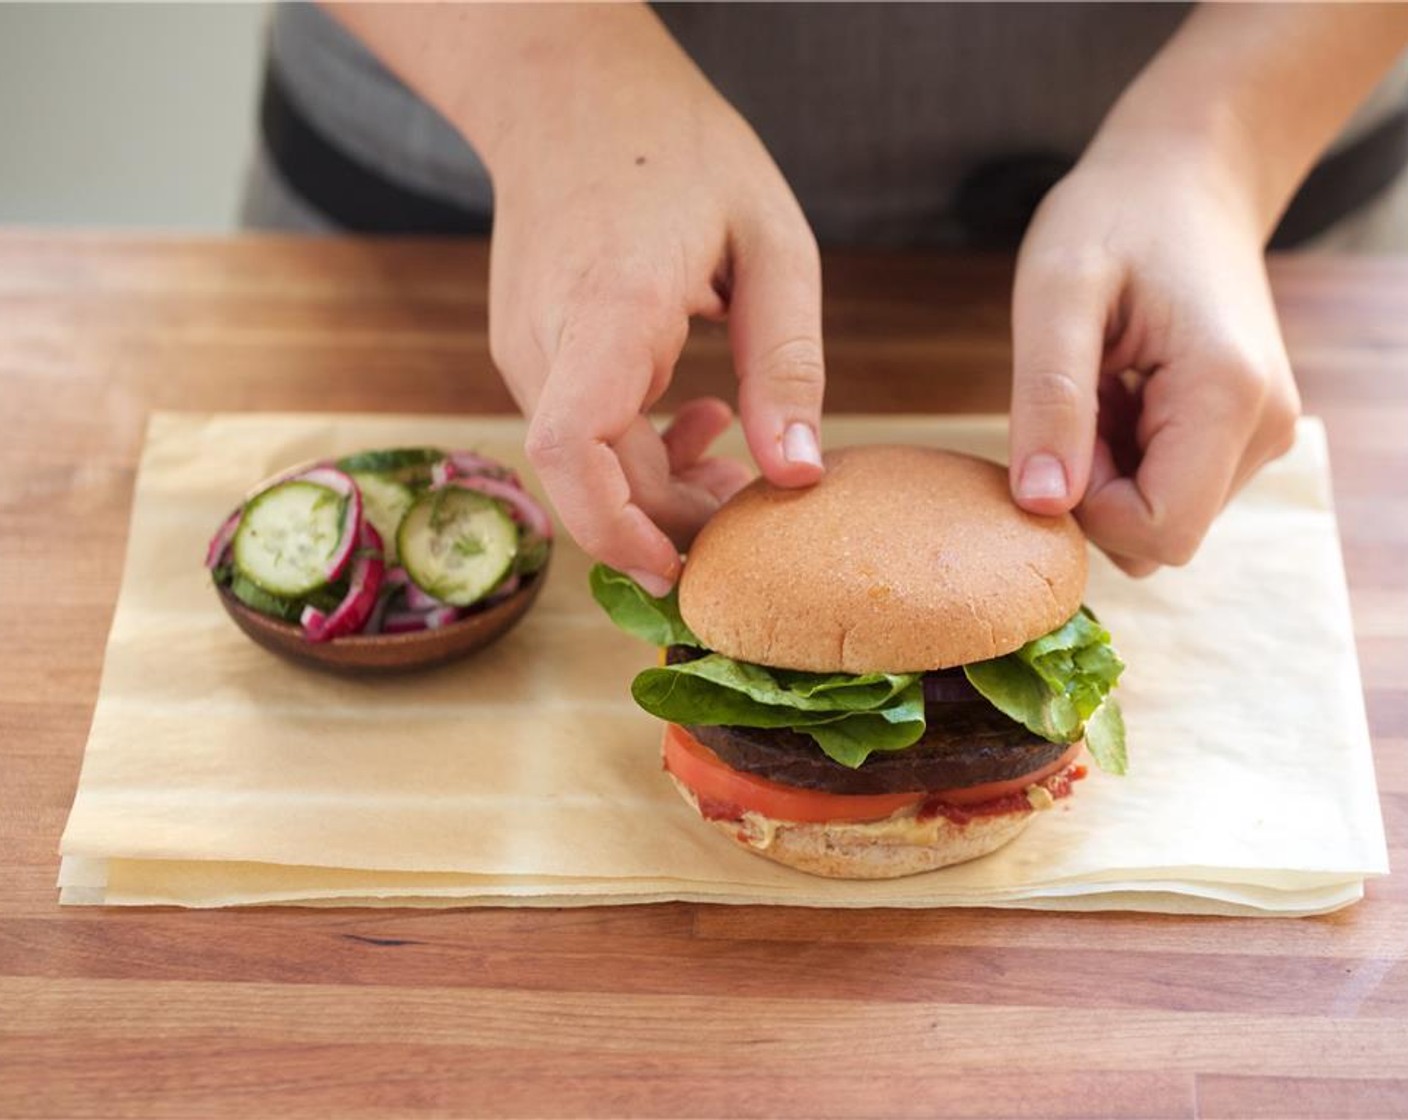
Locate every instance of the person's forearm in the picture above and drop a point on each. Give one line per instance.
(508, 75)
(629, 197)
(1261, 88)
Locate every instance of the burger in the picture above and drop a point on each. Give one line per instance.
(885, 673)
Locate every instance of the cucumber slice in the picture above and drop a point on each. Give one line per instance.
(457, 544)
(533, 553)
(384, 502)
(288, 539)
(401, 464)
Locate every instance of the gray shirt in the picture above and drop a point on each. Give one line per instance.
(876, 113)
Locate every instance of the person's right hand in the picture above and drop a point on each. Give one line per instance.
(637, 200)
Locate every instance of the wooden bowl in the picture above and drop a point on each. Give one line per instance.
(371, 654)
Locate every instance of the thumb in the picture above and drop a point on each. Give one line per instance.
(775, 330)
(1058, 333)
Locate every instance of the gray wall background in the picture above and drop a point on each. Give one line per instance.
(126, 115)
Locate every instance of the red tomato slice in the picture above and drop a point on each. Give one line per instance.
(713, 780)
(724, 791)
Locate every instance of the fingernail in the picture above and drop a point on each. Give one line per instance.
(656, 585)
(799, 445)
(1043, 476)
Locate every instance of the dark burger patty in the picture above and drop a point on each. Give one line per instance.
(965, 743)
(959, 748)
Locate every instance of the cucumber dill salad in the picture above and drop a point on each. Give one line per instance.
(382, 542)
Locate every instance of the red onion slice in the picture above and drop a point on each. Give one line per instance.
(469, 464)
(948, 688)
(402, 622)
(288, 476)
(220, 543)
(441, 616)
(350, 615)
(392, 584)
(421, 601)
(413, 622)
(378, 615)
(526, 511)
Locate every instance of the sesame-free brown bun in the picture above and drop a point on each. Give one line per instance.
(890, 849)
(901, 559)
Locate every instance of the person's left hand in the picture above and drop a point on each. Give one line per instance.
(1150, 379)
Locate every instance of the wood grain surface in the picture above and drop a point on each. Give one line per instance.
(640, 1011)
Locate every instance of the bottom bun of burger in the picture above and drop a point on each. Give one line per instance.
(923, 837)
(877, 850)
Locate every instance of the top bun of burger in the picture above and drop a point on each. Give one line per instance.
(901, 559)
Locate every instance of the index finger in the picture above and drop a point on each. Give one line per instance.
(775, 333)
(1060, 306)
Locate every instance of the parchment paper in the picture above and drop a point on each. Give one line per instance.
(217, 775)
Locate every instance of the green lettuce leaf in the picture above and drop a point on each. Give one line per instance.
(851, 740)
(809, 692)
(1056, 684)
(1014, 688)
(1104, 737)
(637, 612)
(847, 716)
(256, 598)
